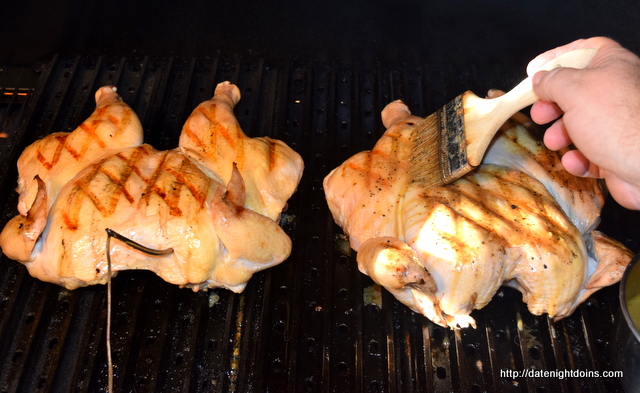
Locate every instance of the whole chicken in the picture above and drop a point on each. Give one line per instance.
(194, 224)
(518, 220)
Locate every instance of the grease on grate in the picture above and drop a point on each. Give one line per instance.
(235, 354)
(372, 296)
(342, 244)
(214, 299)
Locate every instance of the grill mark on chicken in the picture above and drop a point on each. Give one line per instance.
(56, 155)
(120, 188)
(83, 186)
(368, 170)
(170, 199)
(488, 215)
(74, 153)
(117, 188)
(69, 222)
(89, 128)
(194, 137)
(272, 154)
(239, 147)
(153, 187)
(199, 193)
(518, 220)
(231, 135)
(71, 215)
(120, 179)
(171, 196)
(118, 121)
(126, 173)
(210, 113)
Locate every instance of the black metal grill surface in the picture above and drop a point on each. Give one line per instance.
(304, 325)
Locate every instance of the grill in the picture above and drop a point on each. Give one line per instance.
(313, 323)
(305, 325)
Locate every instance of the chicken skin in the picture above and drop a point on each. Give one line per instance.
(518, 220)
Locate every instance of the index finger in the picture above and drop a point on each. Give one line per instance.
(594, 42)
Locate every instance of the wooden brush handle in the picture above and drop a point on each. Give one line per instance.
(483, 117)
(522, 95)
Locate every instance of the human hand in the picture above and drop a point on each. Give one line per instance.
(597, 110)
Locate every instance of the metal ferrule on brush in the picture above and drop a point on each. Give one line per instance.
(440, 146)
(453, 144)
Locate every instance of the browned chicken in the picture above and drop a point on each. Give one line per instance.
(191, 225)
(518, 220)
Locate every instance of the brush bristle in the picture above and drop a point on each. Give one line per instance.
(439, 147)
(426, 164)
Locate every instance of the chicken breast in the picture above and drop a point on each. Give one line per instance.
(140, 208)
(518, 220)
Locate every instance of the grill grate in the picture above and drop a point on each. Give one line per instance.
(303, 325)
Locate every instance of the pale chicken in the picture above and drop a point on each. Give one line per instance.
(194, 224)
(518, 220)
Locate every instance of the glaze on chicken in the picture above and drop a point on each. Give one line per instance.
(213, 209)
(518, 220)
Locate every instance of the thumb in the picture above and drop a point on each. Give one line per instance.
(560, 86)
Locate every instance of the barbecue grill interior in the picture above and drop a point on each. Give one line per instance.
(315, 75)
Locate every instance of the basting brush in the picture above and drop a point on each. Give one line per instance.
(452, 141)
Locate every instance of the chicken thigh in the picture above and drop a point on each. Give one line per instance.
(58, 157)
(212, 138)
